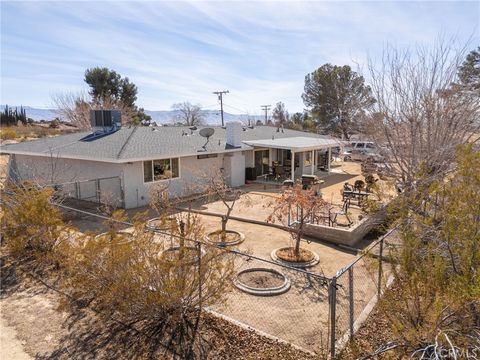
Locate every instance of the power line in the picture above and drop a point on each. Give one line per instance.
(244, 111)
(220, 97)
(266, 108)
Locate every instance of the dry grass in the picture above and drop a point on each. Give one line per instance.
(30, 132)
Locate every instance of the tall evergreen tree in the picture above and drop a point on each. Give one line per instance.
(108, 86)
(469, 72)
(338, 98)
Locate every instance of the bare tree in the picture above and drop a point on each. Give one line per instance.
(75, 107)
(421, 117)
(189, 114)
(280, 114)
(294, 208)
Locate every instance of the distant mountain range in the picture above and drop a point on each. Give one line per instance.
(211, 117)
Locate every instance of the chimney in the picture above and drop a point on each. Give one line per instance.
(234, 134)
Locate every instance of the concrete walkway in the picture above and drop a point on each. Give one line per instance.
(10, 346)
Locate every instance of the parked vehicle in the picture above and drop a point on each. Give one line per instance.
(361, 151)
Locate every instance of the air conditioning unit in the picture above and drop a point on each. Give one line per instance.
(111, 119)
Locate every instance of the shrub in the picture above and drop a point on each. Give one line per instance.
(435, 306)
(55, 124)
(8, 133)
(143, 283)
(32, 227)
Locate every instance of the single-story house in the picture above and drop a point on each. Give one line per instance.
(142, 156)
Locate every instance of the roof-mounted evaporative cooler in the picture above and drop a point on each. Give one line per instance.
(103, 122)
(105, 119)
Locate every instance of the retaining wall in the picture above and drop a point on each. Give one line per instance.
(346, 236)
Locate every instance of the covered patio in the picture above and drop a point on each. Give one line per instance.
(290, 158)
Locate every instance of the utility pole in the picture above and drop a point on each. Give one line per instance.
(220, 97)
(265, 108)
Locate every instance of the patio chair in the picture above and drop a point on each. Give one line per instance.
(359, 185)
(279, 172)
(343, 212)
(370, 181)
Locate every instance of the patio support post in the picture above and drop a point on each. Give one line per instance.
(293, 165)
(312, 163)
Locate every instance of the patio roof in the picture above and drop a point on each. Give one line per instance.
(299, 143)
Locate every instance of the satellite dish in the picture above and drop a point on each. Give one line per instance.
(206, 133)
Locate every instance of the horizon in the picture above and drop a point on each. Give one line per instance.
(183, 51)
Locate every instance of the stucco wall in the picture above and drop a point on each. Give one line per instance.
(193, 173)
(193, 176)
(235, 169)
(48, 170)
(249, 158)
(345, 236)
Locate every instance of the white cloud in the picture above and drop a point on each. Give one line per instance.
(177, 51)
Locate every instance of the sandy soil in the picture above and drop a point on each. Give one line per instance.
(10, 346)
(299, 316)
(258, 198)
(21, 306)
(3, 169)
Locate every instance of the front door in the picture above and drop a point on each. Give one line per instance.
(261, 162)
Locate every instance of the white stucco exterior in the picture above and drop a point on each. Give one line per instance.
(194, 173)
(53, 170)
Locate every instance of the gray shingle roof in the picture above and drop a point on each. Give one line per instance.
(136, 143)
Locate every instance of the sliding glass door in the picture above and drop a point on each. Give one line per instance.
(261, 162)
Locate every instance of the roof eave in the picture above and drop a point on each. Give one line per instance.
(116, 161)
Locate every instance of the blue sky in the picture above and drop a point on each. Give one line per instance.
(182, 51)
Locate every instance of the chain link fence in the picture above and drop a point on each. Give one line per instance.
(316, 313)
(355, 289)
(101, 191)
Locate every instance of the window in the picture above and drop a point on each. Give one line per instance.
(307, 160)
(155, 170)
(370, 146)
(147, 171)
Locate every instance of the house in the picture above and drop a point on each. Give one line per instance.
(138, 157)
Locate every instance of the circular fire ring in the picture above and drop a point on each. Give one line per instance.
(304, 264)
(259, 291)
(164, 227)
(241, 238)
(188, 248)
(126, 235)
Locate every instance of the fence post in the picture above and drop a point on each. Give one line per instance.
(97, 190)
(200, 282)
(380, 261)
(350, 299)
(333, 317)
(77, 190)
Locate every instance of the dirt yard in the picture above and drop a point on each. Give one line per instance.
(254, 203)
(299, 316)
(3, 169)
